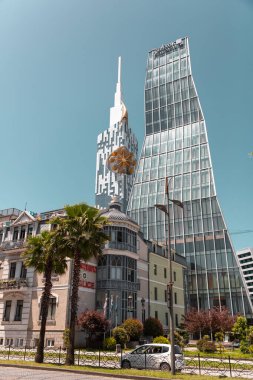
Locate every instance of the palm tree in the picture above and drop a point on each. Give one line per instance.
(82, 237)
(41, 254)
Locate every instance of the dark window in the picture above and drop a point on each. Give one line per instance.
(175, 298)
(23, 271)
(155, 293)
(165, 272)
(51, 308)
(165, 295)
(19, 309)
(7, 232)
(30, 230)
(156, 314)
(166, 319)
(22, 233)
(155, 269)
(7, 311)
(176, 320)
(15, 234)
(12, 270)
(175, 276)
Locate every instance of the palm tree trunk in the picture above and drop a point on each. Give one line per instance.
(70, 358)
(39, 357)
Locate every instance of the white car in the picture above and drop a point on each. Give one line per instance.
(153, 356)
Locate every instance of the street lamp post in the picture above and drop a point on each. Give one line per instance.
(166, 210)
(143, 309)
(130, 305)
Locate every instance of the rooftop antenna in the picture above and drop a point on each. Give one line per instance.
(25, 205)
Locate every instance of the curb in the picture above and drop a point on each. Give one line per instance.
(104, 374)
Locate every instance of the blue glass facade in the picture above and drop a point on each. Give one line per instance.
(176, 146)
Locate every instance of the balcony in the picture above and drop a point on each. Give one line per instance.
(121, 245)
(9, 245)
(10, 284)
(118, 284)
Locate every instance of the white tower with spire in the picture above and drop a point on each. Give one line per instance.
(109, 184)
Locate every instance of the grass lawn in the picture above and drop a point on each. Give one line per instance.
(235, 354)
(141, 373)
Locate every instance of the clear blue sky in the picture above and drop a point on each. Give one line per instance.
(58, 70)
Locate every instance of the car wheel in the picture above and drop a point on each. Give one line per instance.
(165, 367)
(125, 364)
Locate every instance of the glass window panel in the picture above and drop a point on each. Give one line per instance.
(170, 97)
(183, 67)
(163, 112)
(155, 116)
(148, 95)
(148, 117)
(147, 163)
(169, 72)
(162, 161)
(154, 162)
(152, 187)
(176, 69)
(155, 77)
(178, 109)
(155, 97)
(162, 74)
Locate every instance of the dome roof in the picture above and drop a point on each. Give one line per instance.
(114, 212)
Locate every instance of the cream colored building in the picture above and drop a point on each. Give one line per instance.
(158, 281)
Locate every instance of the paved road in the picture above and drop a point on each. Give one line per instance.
(10, 373)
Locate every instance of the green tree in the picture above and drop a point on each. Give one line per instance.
(161, 339)
(82, 237)
(120, 335)
(153, 327)
(240, 328)
(42, 254)
(134, 328)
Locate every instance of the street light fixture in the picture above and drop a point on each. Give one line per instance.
(166, 210)
(130, 305)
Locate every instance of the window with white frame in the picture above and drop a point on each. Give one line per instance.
(19, 342)
(9, 342)
(50, 342)
(51, 309)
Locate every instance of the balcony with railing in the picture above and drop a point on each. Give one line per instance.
(118, 284)
(16, 283)
(9, 245)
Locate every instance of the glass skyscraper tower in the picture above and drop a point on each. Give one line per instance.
(176, 146)
(118, 134)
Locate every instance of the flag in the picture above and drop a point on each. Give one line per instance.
(111, 304)
(116, 304)
(105, 304)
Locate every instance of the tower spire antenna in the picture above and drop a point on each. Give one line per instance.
(118, 95)
(119, 70)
